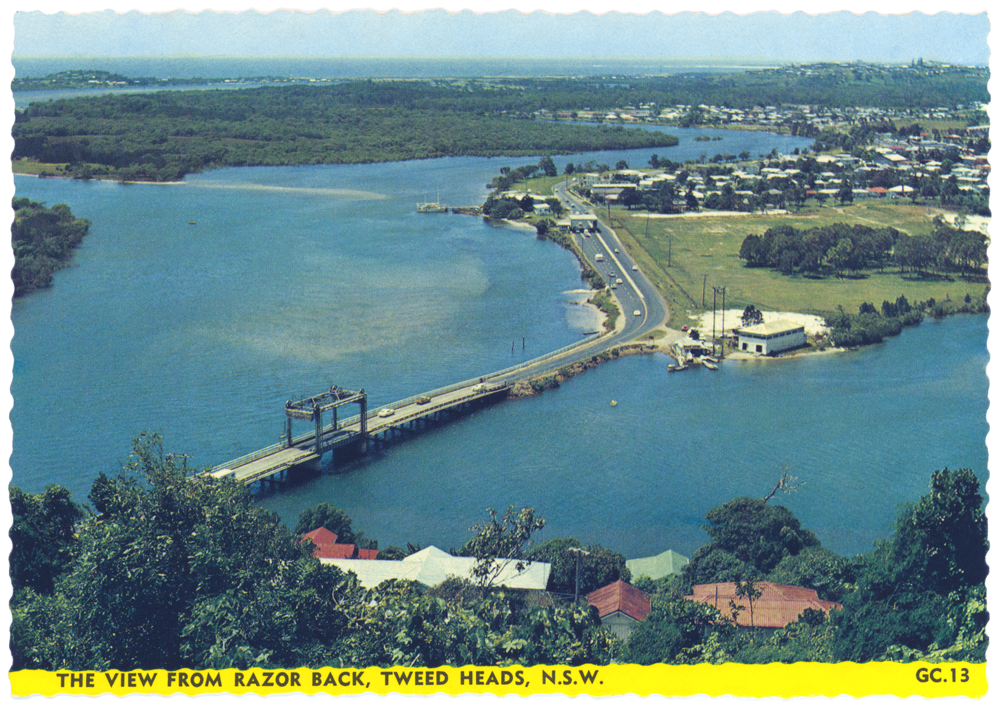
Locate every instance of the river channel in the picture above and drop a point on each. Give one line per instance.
(197, 309)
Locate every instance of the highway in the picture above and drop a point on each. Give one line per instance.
(636, 293)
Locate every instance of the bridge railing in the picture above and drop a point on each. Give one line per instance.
(349, 421)
(486, 378)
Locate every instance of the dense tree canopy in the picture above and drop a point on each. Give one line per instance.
(842, 249)
(165, 135)
(43, 240)
(919, 592)
(42, 536)
(750, 536)
(177, 569)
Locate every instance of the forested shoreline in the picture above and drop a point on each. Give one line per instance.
(43, 240)
(164, 136)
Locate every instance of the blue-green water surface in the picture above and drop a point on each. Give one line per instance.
(293, 279)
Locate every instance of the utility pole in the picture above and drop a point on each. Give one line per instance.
(704, 282)
(717, 290)
(578, 551)
(670, 248)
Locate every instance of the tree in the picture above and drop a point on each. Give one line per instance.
(748, 590)
(751, 316)
(747, 532)
(912, 589)
(753, 251)
(841, 256)
(455, 624)
(786, 483)
(630, 197)
(500, 542)
(831, 575)
(548, 166)
(846, 192)
(179, 570)
(598, 568)
(324, 515)
(42, 536)
(673, 625)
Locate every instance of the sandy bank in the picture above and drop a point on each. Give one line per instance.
(814, 325)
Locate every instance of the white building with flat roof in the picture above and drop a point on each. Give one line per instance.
(770, 338)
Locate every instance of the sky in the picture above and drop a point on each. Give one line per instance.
(958, 38)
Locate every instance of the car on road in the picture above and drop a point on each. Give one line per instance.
(423, 399)
(635, 267)
(616, 251)
(618, 281)
(387, 412)
(637, 313)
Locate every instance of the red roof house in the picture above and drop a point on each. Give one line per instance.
(326, 547)
(778, 605)
(620, 606)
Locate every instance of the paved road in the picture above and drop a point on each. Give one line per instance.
(635, 293)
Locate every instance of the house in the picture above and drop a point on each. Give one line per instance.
(432, 566)
(327, 547)
(777, 606)
(771, 337)
(658, 566)
(620, 606)
(610, 189)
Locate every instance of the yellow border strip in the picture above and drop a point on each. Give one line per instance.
(773, 680)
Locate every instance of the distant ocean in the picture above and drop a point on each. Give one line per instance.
(183, 67)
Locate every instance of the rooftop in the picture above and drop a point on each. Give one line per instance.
(620, 596)
(778, 605)
(771, 328)
(432, 566)
(657, 566)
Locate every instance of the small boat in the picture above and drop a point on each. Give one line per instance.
(614, 403)
(710, 365)
(192, 223)
(432, 207)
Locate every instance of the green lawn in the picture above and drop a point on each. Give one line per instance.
(684, 254)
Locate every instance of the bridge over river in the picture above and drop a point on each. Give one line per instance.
(636, 296)
(306, 450)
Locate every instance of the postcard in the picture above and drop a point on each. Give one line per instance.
(542, 352)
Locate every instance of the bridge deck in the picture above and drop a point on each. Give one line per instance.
(268, 461)
(272, 463)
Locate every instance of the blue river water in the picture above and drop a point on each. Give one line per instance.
(197, 309)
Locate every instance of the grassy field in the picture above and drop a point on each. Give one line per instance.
(688, 256)
(32, 167)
